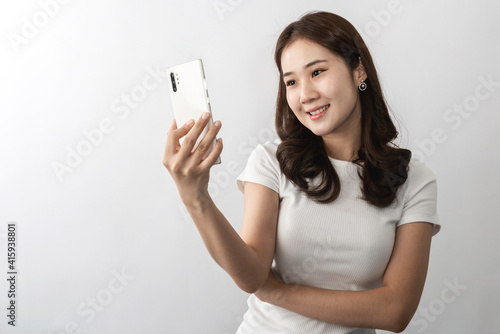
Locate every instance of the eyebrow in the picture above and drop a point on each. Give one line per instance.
(314, 62)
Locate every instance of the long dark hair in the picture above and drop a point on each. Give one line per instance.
(302, 155)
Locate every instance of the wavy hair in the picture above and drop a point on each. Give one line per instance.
(302, 155)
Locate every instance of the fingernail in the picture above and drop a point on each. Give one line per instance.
(205, 115)
(217, 123)
(190, 122)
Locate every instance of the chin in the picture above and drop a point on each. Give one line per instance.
(320, 132)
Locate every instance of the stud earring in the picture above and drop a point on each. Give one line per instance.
(362, 86)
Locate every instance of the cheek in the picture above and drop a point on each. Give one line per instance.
(292, 100)
(342, 91)
(334, 87)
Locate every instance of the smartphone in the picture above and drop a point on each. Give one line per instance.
(189, 94)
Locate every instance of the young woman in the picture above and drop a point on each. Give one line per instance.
(345, 214)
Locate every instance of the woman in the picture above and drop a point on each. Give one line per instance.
(345, 214)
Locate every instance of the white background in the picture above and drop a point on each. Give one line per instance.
(117, 212)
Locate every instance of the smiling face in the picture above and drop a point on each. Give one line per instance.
(321, 90)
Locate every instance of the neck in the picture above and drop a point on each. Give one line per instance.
(342, 147)
(344, 143)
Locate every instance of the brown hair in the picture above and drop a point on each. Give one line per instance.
(302, 155)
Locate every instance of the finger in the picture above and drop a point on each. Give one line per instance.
(173, 126)
(175, 134)
(213, 156)
(171, 140)
(172, 145)
(207, 141)
(194, 133)
(178, 133)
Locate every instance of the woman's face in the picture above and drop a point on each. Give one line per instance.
(321, 90)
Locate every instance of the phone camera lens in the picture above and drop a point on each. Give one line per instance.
(172, 78)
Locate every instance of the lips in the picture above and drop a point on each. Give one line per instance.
(316, 113)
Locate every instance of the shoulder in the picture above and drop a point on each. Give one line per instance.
(269, 148)
(419, 172)
(265, 154)
(262, 167)
(420, 195)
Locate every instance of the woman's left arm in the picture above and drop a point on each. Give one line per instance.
(389, 307)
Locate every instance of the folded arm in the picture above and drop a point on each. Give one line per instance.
(389, 307)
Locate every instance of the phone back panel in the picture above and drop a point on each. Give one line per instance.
(190, 96)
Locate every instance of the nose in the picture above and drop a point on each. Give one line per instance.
(308, 93)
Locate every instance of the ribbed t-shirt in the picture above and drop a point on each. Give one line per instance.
(344, 245)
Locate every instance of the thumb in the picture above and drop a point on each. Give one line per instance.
(183, 130)
(173, 136)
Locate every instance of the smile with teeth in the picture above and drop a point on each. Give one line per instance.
(319, 110)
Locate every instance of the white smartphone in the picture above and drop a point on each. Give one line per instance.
(189, 93)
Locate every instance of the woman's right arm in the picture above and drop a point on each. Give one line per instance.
(246, 258)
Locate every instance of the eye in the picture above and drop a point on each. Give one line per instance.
(317, 72)
(290, 83)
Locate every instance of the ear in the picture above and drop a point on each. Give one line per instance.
(359, 72)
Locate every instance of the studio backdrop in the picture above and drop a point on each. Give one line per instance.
(93, 235)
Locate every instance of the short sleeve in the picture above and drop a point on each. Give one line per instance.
(262, 168)
(420, 200)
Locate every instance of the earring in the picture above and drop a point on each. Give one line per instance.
(362, 86)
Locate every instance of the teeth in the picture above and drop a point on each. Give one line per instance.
(319, 110)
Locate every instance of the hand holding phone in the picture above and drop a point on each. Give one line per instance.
(189, 94)
(191, 169)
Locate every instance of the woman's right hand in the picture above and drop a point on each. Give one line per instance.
(189, 170)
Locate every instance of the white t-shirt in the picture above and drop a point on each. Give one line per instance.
(344, 245)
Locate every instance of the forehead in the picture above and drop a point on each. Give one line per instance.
(303, 51)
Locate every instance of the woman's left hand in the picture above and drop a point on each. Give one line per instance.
(272, 291)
